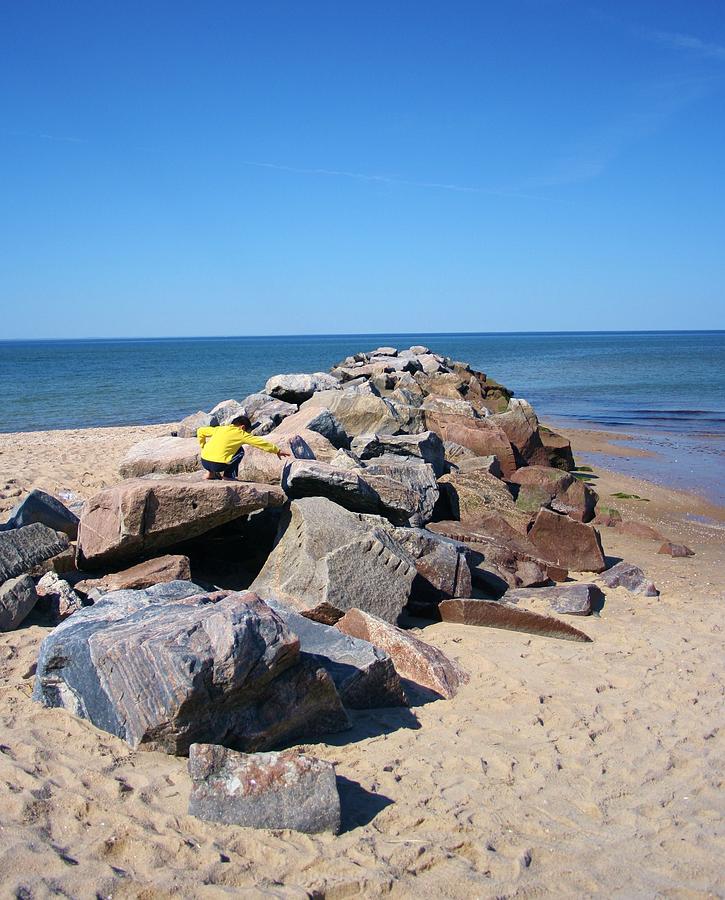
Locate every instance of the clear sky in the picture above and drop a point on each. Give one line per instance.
(204, 168)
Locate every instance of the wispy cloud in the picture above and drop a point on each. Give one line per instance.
(392, 180)
(687, 42)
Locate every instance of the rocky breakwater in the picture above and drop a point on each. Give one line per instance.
(419, 487)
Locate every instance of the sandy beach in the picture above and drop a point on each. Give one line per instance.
(561, 769)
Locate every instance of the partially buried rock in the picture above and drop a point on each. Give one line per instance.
(413, 659)
(164, 455)
(168, 666)
(328, 560)
(670, 549)
(630, 577)
(141, 515)
(17, 599)
(23, 548)
(364, 675)
(263, 790)
(46, 509)
(494, 614)
(56, 598)
(574, 599)
(567, 543)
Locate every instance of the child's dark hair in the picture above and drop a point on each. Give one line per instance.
(243, 422)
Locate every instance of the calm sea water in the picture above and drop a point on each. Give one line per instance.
(666, 387)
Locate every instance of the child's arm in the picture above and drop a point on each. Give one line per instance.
(255, 441)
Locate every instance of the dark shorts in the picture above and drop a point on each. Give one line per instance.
(231, 468)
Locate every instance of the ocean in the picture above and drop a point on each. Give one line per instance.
(667, 389)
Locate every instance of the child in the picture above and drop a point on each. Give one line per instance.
(222, 447)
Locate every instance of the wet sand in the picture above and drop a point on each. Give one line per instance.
(561, 770)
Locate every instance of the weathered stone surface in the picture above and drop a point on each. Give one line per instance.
(574, 599)
(145, 514)
(441, 564)
(556, 450)
(521, 426)
(451, 407)
(670, 549)
(263, 790)
(426, 446)
(384, 351)
(318, 419)
(311, 478)
(358, 413)
(457, 453)
(299, 387)
(266, 468)
(641, 530)
(45, 509)
(188, 426)
(225, 411)
(23, 548)
(546, 486)
(488, 464)
(542, 476)
(165, 455)
(577, 500)
(152, 571)
(261, 406)
(328, 560)
(607, 516)
(567, 543)
(630, 577)
(494, 614)
(364, 675)
(413, 659)
(470, 494)
(407, 488)
(482, 436)
(56, 598)
(17, 599)
(166, 667)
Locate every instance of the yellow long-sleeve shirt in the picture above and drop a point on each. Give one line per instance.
(221, 443)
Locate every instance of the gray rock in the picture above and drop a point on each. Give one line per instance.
(188, 427)
(358, 414)
(319, 420)
(311, 478)
(328, 560)
(224, 412)
(263, 790)
(56, 597)
(165, 455)
(575, 599)
(630, 577)
(442, 566)
(488, 464)
(299, 387)
(46, 509)
(17, 599)
(426, 446)
(364, 676)
(23, 548)
(168, 666)
(385, 351)
(346, 459)
(407, 487)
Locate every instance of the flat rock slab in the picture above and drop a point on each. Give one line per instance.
(575, 599)
(482, 436)
(141, 515)
(567, 543)
(426, 446)
(296, 388)
(263, 790)
(169, 666)
(165, 455)
(413, 659)
(494, 614)
(23, 548)
(328, 560)
(45, 509)
(631, 578)
(17, 600)
(364, 675)
(145, 574)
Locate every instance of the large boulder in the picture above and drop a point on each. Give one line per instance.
(312, 478)
(226, 410)
(521, 427)
(567, 543)
(556, 450)
(407, 488)
(166, 667)
(162, 455)
(442, 568)
(21, 549)
(45, 509)
(17, 599)
(364, 675)
(188, 426)
(483, 436)
(263, 790)
(426, 446)
(494, 614)
(328, 560)
(299, 387)
(413, 659)
(470, 494)
(631, 578)
(141, 515)
(547, 486)
(317, 419)
(358, 413)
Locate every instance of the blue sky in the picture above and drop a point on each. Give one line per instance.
(188, 168)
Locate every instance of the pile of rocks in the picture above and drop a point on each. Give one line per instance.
(418, 486)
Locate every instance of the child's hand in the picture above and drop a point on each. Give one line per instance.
(281, 453)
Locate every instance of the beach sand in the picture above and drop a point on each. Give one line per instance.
(561, 769)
